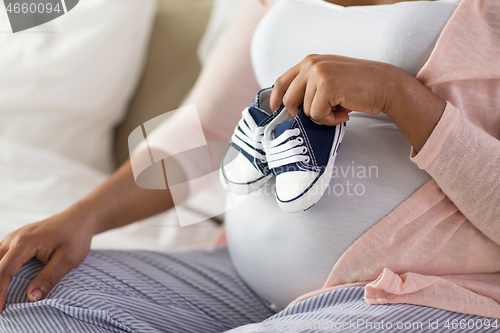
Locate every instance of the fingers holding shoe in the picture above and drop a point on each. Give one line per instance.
(331, 86)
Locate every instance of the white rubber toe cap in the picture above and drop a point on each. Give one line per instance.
(241, 171)
(290, 185)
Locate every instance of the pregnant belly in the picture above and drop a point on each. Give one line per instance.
(282, 256)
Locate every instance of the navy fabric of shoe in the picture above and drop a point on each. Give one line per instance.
(318, 140)
(249, 170)
(301, 154)
(240, 139)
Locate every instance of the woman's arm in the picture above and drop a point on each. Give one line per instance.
(332, 86)
(119, 202)
(464, 161)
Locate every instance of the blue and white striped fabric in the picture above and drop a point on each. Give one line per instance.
(195, 291)
(344, 310)
(137, 291)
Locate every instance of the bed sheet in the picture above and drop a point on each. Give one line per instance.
(36, 184)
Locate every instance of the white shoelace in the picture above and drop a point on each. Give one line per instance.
(282, 152)
(248, 136)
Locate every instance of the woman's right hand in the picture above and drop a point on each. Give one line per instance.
(61, 242)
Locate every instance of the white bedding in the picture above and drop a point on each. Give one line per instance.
(64, 85)
(37, 183)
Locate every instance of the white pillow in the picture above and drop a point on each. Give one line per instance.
(64, 85)
(36, 184)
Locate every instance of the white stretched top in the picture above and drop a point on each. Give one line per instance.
(280, 255)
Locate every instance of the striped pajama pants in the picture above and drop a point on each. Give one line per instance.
(199, 291)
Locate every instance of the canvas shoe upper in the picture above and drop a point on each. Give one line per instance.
(301, 154)
(244, 169)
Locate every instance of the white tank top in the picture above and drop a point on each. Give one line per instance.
(282, 256)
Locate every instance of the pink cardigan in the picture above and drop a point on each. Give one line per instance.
(440, 247)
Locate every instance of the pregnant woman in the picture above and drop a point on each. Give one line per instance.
(417, 249)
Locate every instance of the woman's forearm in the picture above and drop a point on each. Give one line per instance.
(330, 86)
(119, 201)
(414, 109)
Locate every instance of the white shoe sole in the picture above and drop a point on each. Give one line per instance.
(309, 198)
(242, 189)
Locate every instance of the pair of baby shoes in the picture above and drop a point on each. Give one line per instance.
(299, 152)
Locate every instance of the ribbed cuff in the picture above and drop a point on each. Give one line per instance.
(438, 137)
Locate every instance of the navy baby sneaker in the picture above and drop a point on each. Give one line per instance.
(301, 154)
(244, 169)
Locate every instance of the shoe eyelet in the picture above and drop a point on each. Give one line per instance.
(304, 150)
(307, 160)
(297, 131)
(262, 161)
(300, 140)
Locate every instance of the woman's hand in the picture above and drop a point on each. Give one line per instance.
(61, 242)
(329, 87)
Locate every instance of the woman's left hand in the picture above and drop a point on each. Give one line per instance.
(329, 87)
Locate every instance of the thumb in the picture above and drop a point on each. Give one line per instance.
(57, 267)
(335, 118)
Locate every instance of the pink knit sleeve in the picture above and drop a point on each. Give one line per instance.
(465, 162)
(225, 87)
